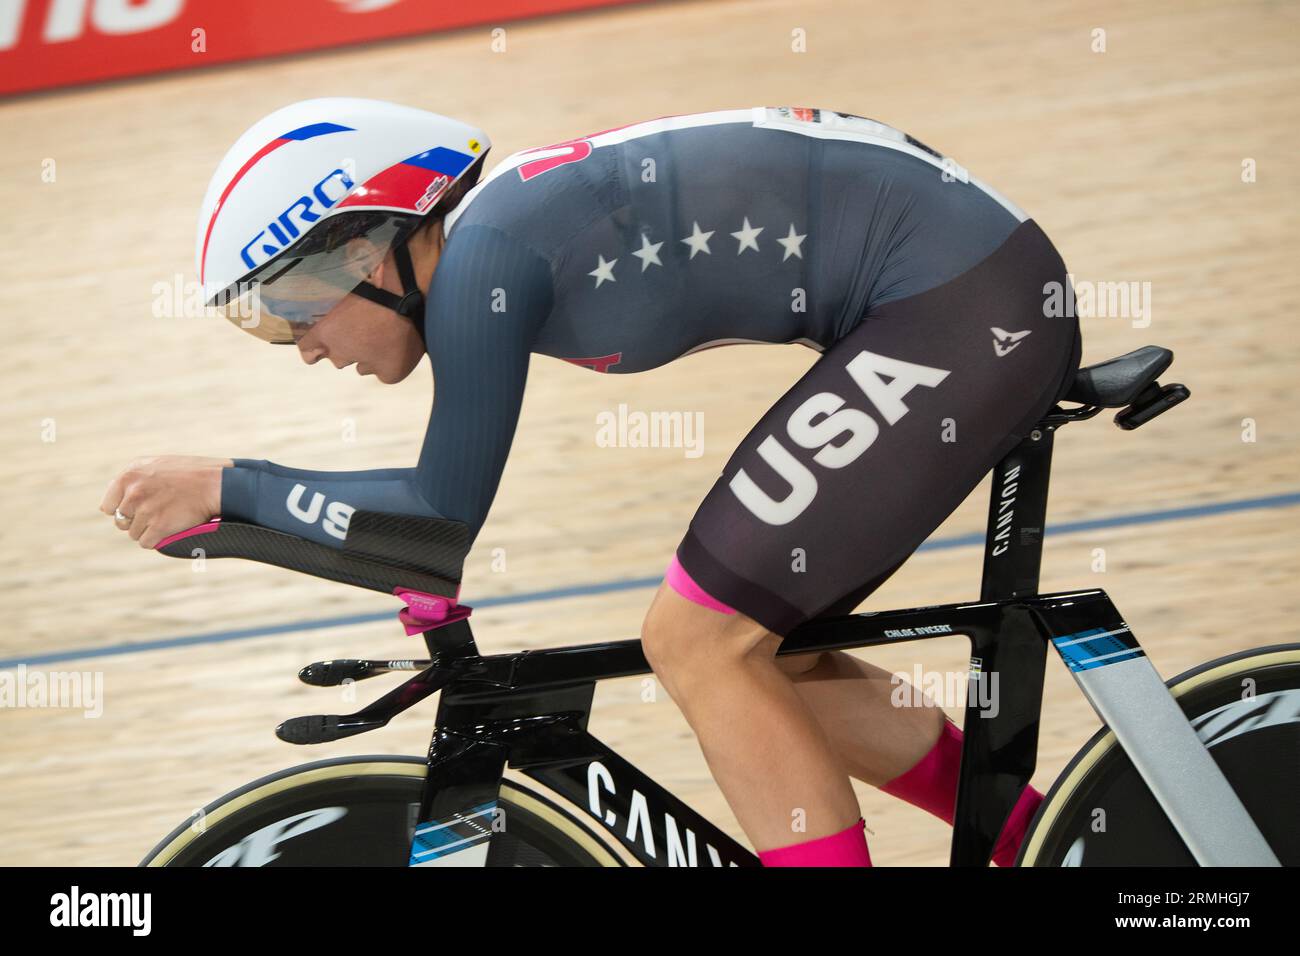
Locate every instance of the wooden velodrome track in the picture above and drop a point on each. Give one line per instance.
(1131, 159)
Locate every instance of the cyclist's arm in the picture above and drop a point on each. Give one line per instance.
(299, 502)
(488, 299)
(369, 474)
(481, 327)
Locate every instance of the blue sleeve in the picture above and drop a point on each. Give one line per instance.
(483, 316)
(315, 504)
(489, 296)
(370, 474)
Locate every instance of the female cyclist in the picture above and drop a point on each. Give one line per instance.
(354, 230)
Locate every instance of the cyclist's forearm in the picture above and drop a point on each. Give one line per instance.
(317, 508)
(306, 474)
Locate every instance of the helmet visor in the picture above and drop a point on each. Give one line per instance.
(282, 300)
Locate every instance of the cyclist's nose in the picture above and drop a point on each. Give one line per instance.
(311, 352)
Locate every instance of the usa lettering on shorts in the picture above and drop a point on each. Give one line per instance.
(866, 369)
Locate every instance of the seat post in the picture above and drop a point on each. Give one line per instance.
(1013, 546)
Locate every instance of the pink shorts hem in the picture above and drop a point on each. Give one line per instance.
(685, 585)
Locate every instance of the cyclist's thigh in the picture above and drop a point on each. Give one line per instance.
(846, 475)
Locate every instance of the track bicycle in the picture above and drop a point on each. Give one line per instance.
(1203, 770)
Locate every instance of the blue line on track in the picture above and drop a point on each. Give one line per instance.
(631, 584)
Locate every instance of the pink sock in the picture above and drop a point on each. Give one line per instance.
(846, 848)
(932, 786)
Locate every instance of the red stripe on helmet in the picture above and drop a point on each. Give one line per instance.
(403, 186)
(207, 236)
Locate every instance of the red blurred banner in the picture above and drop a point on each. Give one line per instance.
(49, 43)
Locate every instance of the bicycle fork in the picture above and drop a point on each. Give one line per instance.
(1129, 696)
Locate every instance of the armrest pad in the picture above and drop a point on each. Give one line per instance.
(382, 551)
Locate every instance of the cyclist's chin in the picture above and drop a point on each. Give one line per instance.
(392, 370)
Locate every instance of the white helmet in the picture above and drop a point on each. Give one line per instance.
(310, 200)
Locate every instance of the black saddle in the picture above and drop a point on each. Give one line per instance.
(1118, 382)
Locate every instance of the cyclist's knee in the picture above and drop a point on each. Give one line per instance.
(681, 638)
(795, 664)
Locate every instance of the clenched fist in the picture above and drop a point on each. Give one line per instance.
(155, 497)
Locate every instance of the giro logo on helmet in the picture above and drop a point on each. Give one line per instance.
(292, 196)
(280, 233)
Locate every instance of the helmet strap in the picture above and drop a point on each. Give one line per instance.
(410, 304)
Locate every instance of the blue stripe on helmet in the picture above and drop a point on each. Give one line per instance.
(316, 129)
(440, 159)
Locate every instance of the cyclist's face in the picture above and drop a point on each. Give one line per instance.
(358, 332)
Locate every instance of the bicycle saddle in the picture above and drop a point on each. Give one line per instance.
(1118, 382)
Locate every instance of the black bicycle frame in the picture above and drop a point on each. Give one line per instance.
(529, 711)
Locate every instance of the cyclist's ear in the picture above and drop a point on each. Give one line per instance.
(363, 260)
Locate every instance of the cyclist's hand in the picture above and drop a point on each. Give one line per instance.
(155, 497)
